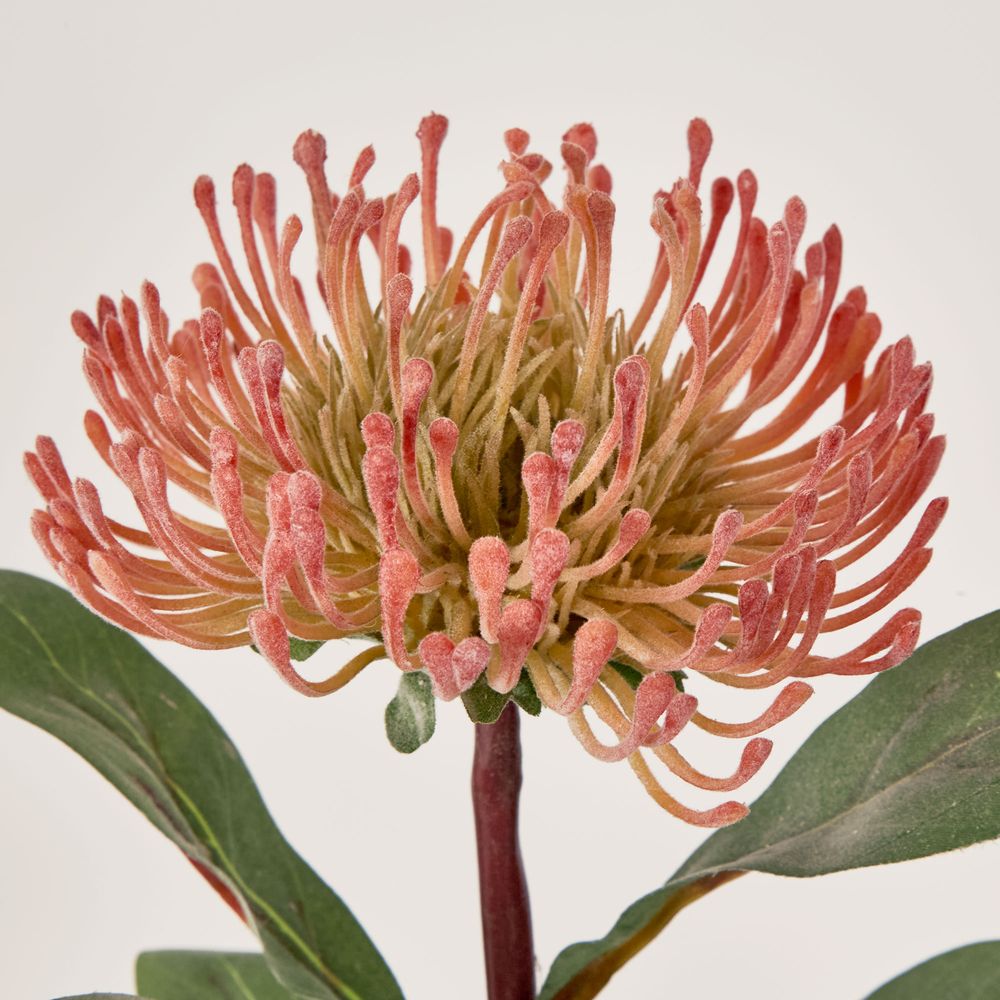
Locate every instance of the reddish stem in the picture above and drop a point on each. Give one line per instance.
(503, 891)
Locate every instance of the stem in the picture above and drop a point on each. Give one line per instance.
(503, 891)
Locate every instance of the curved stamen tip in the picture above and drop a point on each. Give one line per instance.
(243, 185)
(725, 815)
(516, 233)
(417, 377)
(631, 377)
(400, 291)
(516, 140)
(204, 194)
(444, 437)
(699, 138)
(584, 135)
(634, 525)
(211, 328)
(516, 634)
(377, 431)
(453, 668)
(309, 151)
(433, 129)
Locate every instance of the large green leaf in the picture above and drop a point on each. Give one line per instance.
(969, 973)
(188, 975)
(101, 693)
(908, 768)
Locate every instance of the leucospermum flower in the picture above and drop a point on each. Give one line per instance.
(499, 474)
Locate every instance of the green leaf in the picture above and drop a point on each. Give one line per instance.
(633, 677)
(410, 716)
(302, 649)
(104, 695)
(525, 696)
(969, 973)
(183, 975)
(908, 768)
(482, 703)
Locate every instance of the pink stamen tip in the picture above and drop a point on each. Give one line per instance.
(243, 185)
(795, 219)
(539, 474)
(211, 328)
(599, 178)
(371, 213)
(444, 439)
(408, 190)
(567, 441)
(631, 378)
(86, 330)
(398, 578)
(657, 694)
(489, 570)
(453, 669)
(364, 163)
(417, 377)
(575, 158)
(516, 233)
(516, 140)
(634, 525)
(549, 552)
(593, 645)
(400, 292)
(583, 135)
(516, 634)
(309, 151)
(204, 195)
(432, 131)
(746, 187)
(699, 137)
(378, 431)
(553, 231)
(435, 651)
(469, 660)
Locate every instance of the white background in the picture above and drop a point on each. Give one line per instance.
(882, 117)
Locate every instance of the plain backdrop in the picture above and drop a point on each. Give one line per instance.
(882, 117)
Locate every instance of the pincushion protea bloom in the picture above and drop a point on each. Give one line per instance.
(503, 475)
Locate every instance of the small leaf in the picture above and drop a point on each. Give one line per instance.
(302, 649)
(525, 695)
(969, 973)
(104, 695)
(908, 768)
(631, 676)
(410, 716)
(634, 677)
(185, 975)
(483, 704)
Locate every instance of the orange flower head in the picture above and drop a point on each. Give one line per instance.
(500, 480)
